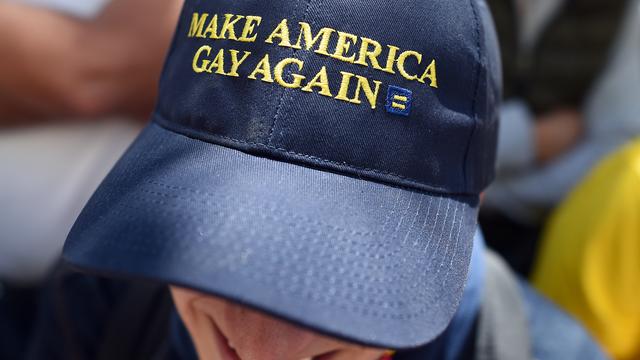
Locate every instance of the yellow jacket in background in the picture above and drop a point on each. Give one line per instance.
(589, 260)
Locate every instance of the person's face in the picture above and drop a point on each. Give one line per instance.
(222, 330)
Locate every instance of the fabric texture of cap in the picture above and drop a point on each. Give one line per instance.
(318, 160)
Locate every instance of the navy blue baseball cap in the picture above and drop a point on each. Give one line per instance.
(317, 160)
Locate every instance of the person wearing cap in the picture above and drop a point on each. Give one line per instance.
(308, 187)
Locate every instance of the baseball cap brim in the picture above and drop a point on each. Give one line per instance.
(355, 259)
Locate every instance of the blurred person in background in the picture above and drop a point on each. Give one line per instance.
(589, 260)
(571, 84)
(75, 78)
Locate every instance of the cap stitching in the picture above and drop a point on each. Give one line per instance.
(285, 127)
(448, 242)
(284, 91)
(268, 97)
(298, 220)
(259, 276)
(455, 248)
(162, 121)
(295, 224)
(309, 220)
(297, 217)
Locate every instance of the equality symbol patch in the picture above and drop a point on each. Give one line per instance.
(399, 100)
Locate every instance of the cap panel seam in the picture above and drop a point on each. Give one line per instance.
(288, 96)
(418, 184)
(475, 93)
(284, 92)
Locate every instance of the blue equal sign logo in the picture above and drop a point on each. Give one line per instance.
(399, 100)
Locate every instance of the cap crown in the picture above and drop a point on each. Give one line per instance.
(404, 92)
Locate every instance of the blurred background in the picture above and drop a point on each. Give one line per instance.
(78, 80)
